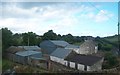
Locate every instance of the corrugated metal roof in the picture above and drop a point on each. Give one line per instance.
(71, 46)
(84, 59)
(61, 53)
(27, 53)
(30, 47)
(60, 43)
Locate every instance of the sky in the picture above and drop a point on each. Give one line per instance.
(76, 18)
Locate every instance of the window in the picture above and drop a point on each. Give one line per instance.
(85, 68)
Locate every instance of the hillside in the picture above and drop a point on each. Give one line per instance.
(112, 39)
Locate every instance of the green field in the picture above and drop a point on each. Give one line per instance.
(112, 38)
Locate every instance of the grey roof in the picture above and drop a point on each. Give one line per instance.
(84, 59)
(27, 53)
(71, 46)
(30, 47)
(60, 43)
(61, 53)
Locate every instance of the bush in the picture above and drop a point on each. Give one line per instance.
(111, 60)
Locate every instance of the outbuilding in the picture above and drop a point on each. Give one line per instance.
(24, 57)
(59, 55)
(50, 46)
(73, 47)
(85, 62)
(32, 48)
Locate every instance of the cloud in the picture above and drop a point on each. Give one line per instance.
(63, 18)
(101, 16)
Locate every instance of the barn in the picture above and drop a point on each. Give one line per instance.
(88, 47)
(59, 55)
(32, 48)
(49, 46)
(25, 57)
(10, 52)
(85, 62)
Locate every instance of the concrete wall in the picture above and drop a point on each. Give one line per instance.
(81, 67)
(59, 60)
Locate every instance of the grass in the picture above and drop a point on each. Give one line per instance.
(78, 43)
(112, 39)
(6, 64)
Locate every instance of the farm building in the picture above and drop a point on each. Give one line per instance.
(85, 62)
(49, 46)
(88, 47)
(59, 55)
(73, 47)
(10, 52)
(25, 57)
(33, 48)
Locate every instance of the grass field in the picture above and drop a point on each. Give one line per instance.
(6, 64)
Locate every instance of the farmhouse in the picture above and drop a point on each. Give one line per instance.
(85, 62)
(88, 47)
(49, 46)
(59, 55)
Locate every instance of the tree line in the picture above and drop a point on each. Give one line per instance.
(17, 39)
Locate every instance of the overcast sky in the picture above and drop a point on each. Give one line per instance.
(77, 18)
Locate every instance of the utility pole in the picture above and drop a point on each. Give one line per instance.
(28, 39)
(118, 38)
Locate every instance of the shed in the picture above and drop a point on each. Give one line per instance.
(10, 52)
(24, 57)
(59, 55)
(49, 46)
(85, 62)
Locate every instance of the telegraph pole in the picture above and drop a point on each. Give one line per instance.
(28, 40)
(118, 38)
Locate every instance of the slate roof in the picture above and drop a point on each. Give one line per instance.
(84, 59)
(27, 53)
(71, 46)
(30, 47)
(61, 53)
(60, 43)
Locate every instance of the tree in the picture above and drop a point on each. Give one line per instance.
(110, 59)
(69, 38)
(29, 38)
(17, 39)
(6, 38)
(50, 35)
